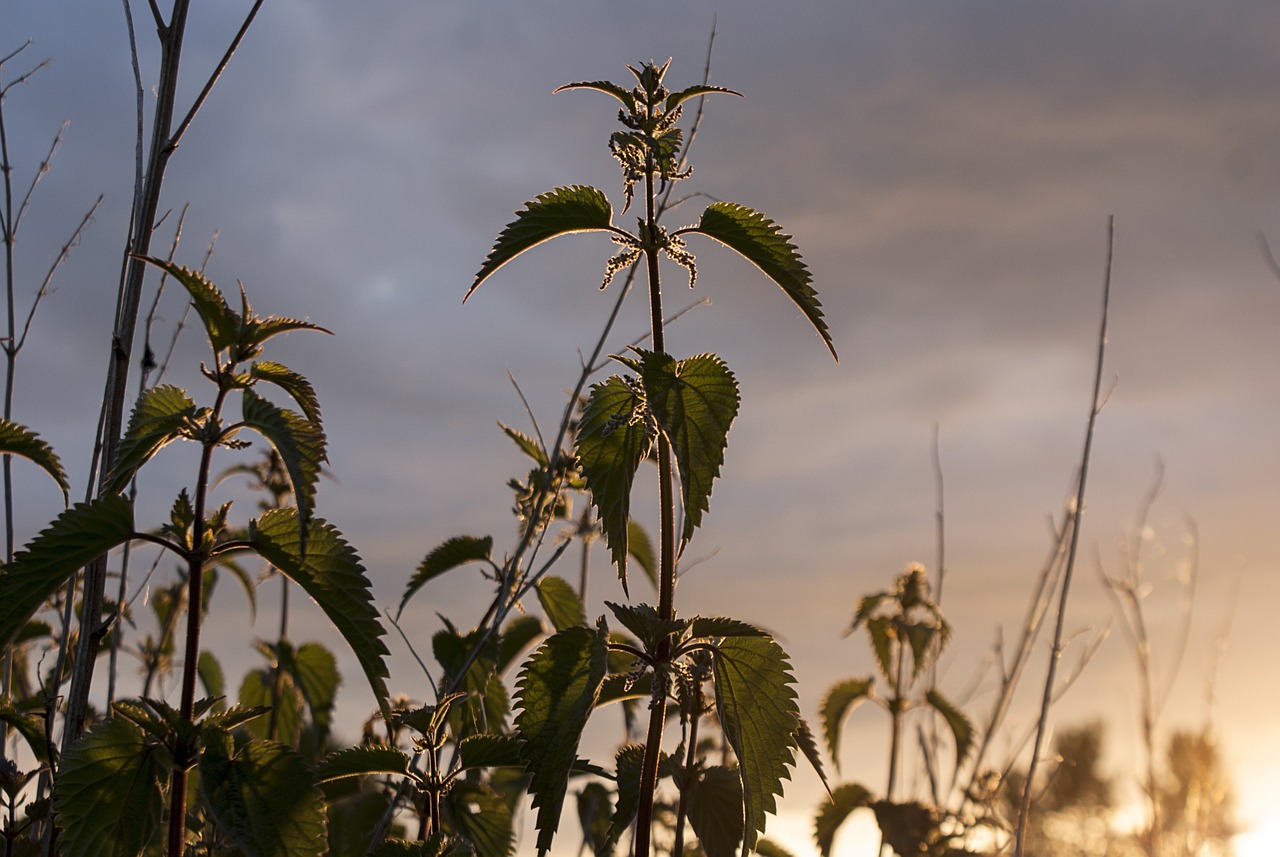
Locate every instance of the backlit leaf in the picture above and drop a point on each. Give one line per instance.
(640, 548)
(756, 703)
(453, 553)
(332, 574)
(263, 798)
(107, 796)
(489, 751)
(610, 448)
(29, 726)
(220, 321)
(841, 699)
(560, 602)
(257, 689)
(809, 747)
(517, 636)
(609, 88)
(20, 441)
(715, 811)
(961, 728)
(299, 441)
(555, 693)
(485, 707)
(162, 414)
(77, 536)
(844, 801)
(695, 401)
(675, 99)
(298, 387)
(562, 211)
(477, 814)
(761, 241)
(628, 762)
(528, 445)
(366, 760)
(315, 671)
(769, 848)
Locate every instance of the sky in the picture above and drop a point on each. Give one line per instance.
(947, 171)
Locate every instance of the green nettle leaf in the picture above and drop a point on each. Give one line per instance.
(75, 538)
(921, 637)
(720, 626)
(715, 811)
(107, 797)
(258, 330)
(298, 387)
(769, 848)
(695, 401)
(163, 414)
(627, 98)
(236, 715)
(594, 812)
(220, 321)
(517, 636)
(643, 621)
(844, 801)
(300, 442)
(479, 815)
(627, 765)
(761, 241)
(489, 751)
(29, 726)
(640, 548)
(363, 761)
(611, 443)
(839, 703)
(24, 443)
(263, 797)
(961, 728)
(555, 693)
(528, 445)
(257, 690)
(210, 673)
(809, 746)
(332, 574)
(883, 634)
(561, 603)
(756, 703)
(457, 551)
(675, 99)
(562, 211)
(315, 671)
(351, 817)
(485, 708)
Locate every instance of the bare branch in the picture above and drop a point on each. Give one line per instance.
(217, 73)
(45, 286)
(1076, 513)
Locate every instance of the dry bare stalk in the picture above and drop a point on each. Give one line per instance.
(10, 223)
(1126, 591)
(1076, 513)
(163, 143)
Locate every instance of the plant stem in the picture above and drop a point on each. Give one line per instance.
(1056, 654)
(146, 204)
(667, 573)
(186, 755)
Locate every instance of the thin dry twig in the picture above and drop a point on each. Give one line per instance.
(1077, 512)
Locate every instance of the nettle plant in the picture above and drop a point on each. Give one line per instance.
(676, 412)
(126, 779)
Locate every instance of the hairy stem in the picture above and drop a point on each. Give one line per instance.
(667, 528)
